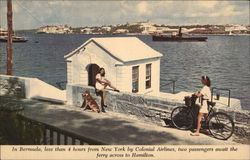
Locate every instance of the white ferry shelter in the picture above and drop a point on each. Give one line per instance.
(130, 64)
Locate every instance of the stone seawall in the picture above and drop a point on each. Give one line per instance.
(149, 108)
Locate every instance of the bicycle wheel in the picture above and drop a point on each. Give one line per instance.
(221, 126)
(182, 118)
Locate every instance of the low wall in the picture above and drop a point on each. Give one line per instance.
(12, 86)
(149, 108)
(23, 87)
(143, 107)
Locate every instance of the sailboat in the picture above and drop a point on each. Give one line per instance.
(4, 35)
(15, 38)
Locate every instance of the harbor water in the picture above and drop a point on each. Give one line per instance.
(225, 59)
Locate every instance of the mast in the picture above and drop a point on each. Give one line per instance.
(9, 40)
(180, 34)
(0, 13)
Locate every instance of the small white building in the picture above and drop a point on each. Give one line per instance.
(119, 31)
(86, 30)
(107, 28)
(130, 64)
(149, 28)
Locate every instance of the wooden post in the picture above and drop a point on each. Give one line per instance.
(9, 40)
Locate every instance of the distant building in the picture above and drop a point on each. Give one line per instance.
(130, 64)
(120, 31)
(106, 28)
(168, 30)
(55, 29)
(148, 28)
(86, 30)
(209, 30)
(235, 28)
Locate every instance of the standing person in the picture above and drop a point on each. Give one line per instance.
(204, 95)
(101, 84)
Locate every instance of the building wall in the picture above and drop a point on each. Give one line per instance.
(119, 74)
(69, 72)
(92, 54)
(155, 75)
(124, 78)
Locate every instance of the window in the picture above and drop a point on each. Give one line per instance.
(148, 76)
(135, 79)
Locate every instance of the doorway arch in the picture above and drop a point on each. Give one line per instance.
(93, 69)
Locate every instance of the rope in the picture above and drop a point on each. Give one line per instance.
(29, 13)
(55, 14)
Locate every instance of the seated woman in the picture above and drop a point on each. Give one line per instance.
(101, 84)
(204, 95)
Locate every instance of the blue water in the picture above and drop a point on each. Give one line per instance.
(225, 59)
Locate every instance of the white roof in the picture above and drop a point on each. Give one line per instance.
(123, 48)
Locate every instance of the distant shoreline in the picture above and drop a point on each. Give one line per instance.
(34, 31)
(145, 28)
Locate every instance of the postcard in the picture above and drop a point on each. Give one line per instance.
(108, 80)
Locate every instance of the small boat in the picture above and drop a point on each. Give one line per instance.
(15, 38)
(178, 38)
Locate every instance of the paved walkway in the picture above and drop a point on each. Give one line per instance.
(111, 128)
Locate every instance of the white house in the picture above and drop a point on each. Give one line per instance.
(121, 31)
(235, 28)
(130, 64)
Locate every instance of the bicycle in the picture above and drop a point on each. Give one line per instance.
(219, 124)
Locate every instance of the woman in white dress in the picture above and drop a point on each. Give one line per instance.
(102, 84)
(204, 95)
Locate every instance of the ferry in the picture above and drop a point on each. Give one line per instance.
(178, 38)
(15, 38)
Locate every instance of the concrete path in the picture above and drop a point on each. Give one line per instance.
(111, 128)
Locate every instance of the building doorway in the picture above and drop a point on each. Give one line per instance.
(92, 72)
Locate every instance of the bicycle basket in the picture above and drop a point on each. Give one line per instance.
(187, 100)
(190, 101)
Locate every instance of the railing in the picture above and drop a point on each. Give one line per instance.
(55, 136)
(223, 89)
(170, 82)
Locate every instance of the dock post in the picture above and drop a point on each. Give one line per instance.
(9, 40)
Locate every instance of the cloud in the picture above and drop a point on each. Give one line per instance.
(143, 8)
(96, 13)
(207, 4)
(229, 11)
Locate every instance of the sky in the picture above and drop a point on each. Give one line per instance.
(32, 14)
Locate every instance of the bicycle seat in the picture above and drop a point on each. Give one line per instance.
(211, 103)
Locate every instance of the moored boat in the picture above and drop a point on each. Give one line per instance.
(175, 38)
(178, 38)
(15, 38)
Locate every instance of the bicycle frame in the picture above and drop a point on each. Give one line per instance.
(211, 111)
(220, 125)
